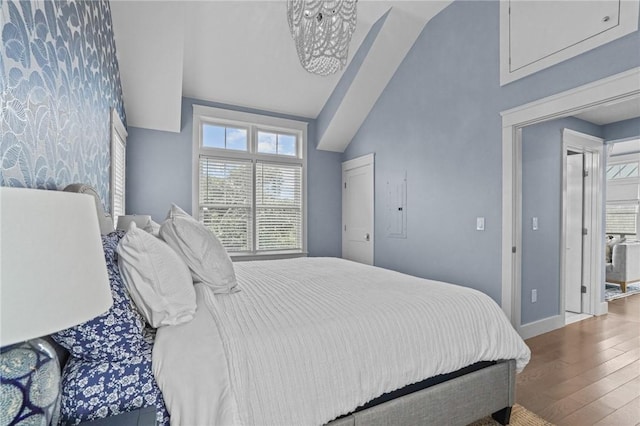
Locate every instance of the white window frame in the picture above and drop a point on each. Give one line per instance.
(118, 133)
(253, 122)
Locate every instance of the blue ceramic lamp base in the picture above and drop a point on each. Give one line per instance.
(29, 384)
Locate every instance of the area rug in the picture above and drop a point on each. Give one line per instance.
(520, 416)
(612, 291)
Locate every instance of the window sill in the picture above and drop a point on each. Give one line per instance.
(272, 255)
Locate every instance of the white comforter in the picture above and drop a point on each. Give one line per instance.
(307, 340)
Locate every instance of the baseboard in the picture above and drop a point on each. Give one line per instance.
(602, 308)
(542, 326)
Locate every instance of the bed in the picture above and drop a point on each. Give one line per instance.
(326, 341)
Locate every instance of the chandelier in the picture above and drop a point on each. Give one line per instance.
(322, 31)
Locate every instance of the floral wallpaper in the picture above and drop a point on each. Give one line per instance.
(59, 78)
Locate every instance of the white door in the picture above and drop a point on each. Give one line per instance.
(574, 236)
(357, 209)
(582, 231)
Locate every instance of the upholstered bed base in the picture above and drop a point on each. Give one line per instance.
(458, 401)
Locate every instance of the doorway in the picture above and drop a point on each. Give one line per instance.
(582, 237)
(608, 91)
(358, 209)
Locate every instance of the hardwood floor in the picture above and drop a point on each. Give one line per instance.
(587, 373)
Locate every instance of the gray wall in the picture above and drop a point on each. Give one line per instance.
(622, 130)
(542, 198)
(439, 119)
(159, 172)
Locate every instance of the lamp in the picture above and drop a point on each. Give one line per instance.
(141, 220)
(52, 276)
(322, 32)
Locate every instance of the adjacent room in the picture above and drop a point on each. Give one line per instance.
(308, 212)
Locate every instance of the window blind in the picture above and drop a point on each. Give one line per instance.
(622, 219)
(118, 176)
(225, 198)
(118, 165)
(278, 206)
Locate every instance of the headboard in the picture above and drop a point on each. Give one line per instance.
(104, 219)
(106, 226)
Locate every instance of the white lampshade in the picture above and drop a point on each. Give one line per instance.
(53, 273)
(141, 220)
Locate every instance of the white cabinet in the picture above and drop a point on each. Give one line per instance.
(537, 34)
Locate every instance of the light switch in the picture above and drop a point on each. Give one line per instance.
(480, 223)
(534, 223)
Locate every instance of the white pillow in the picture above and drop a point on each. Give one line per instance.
(152, 227)
(201, 250)
(158, 280)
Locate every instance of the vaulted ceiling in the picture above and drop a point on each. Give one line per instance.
(241, 53)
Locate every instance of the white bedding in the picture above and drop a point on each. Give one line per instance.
(307, 340)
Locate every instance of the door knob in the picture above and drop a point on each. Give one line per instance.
(366, 237)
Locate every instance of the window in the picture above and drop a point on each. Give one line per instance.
(623, 170)
(623, 195)
(118, 162)
(274, 143)
(224, 137)
(249, 180)
(278, 206)
(225, 194)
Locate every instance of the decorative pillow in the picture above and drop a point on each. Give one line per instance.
(97, 389)
(158, 280)
(116, 334)
(153, 228)
(141, 220)
(201, 250)
(612, 241)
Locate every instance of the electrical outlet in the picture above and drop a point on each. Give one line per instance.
(534, 295)
(534, 223)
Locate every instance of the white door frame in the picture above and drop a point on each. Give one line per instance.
(593, 242)
(365, 160)
(612, 89)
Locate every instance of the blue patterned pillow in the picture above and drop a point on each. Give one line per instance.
(97, 389)
(116, 334)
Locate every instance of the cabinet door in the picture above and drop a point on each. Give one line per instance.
(541, 28)
(537, 34)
